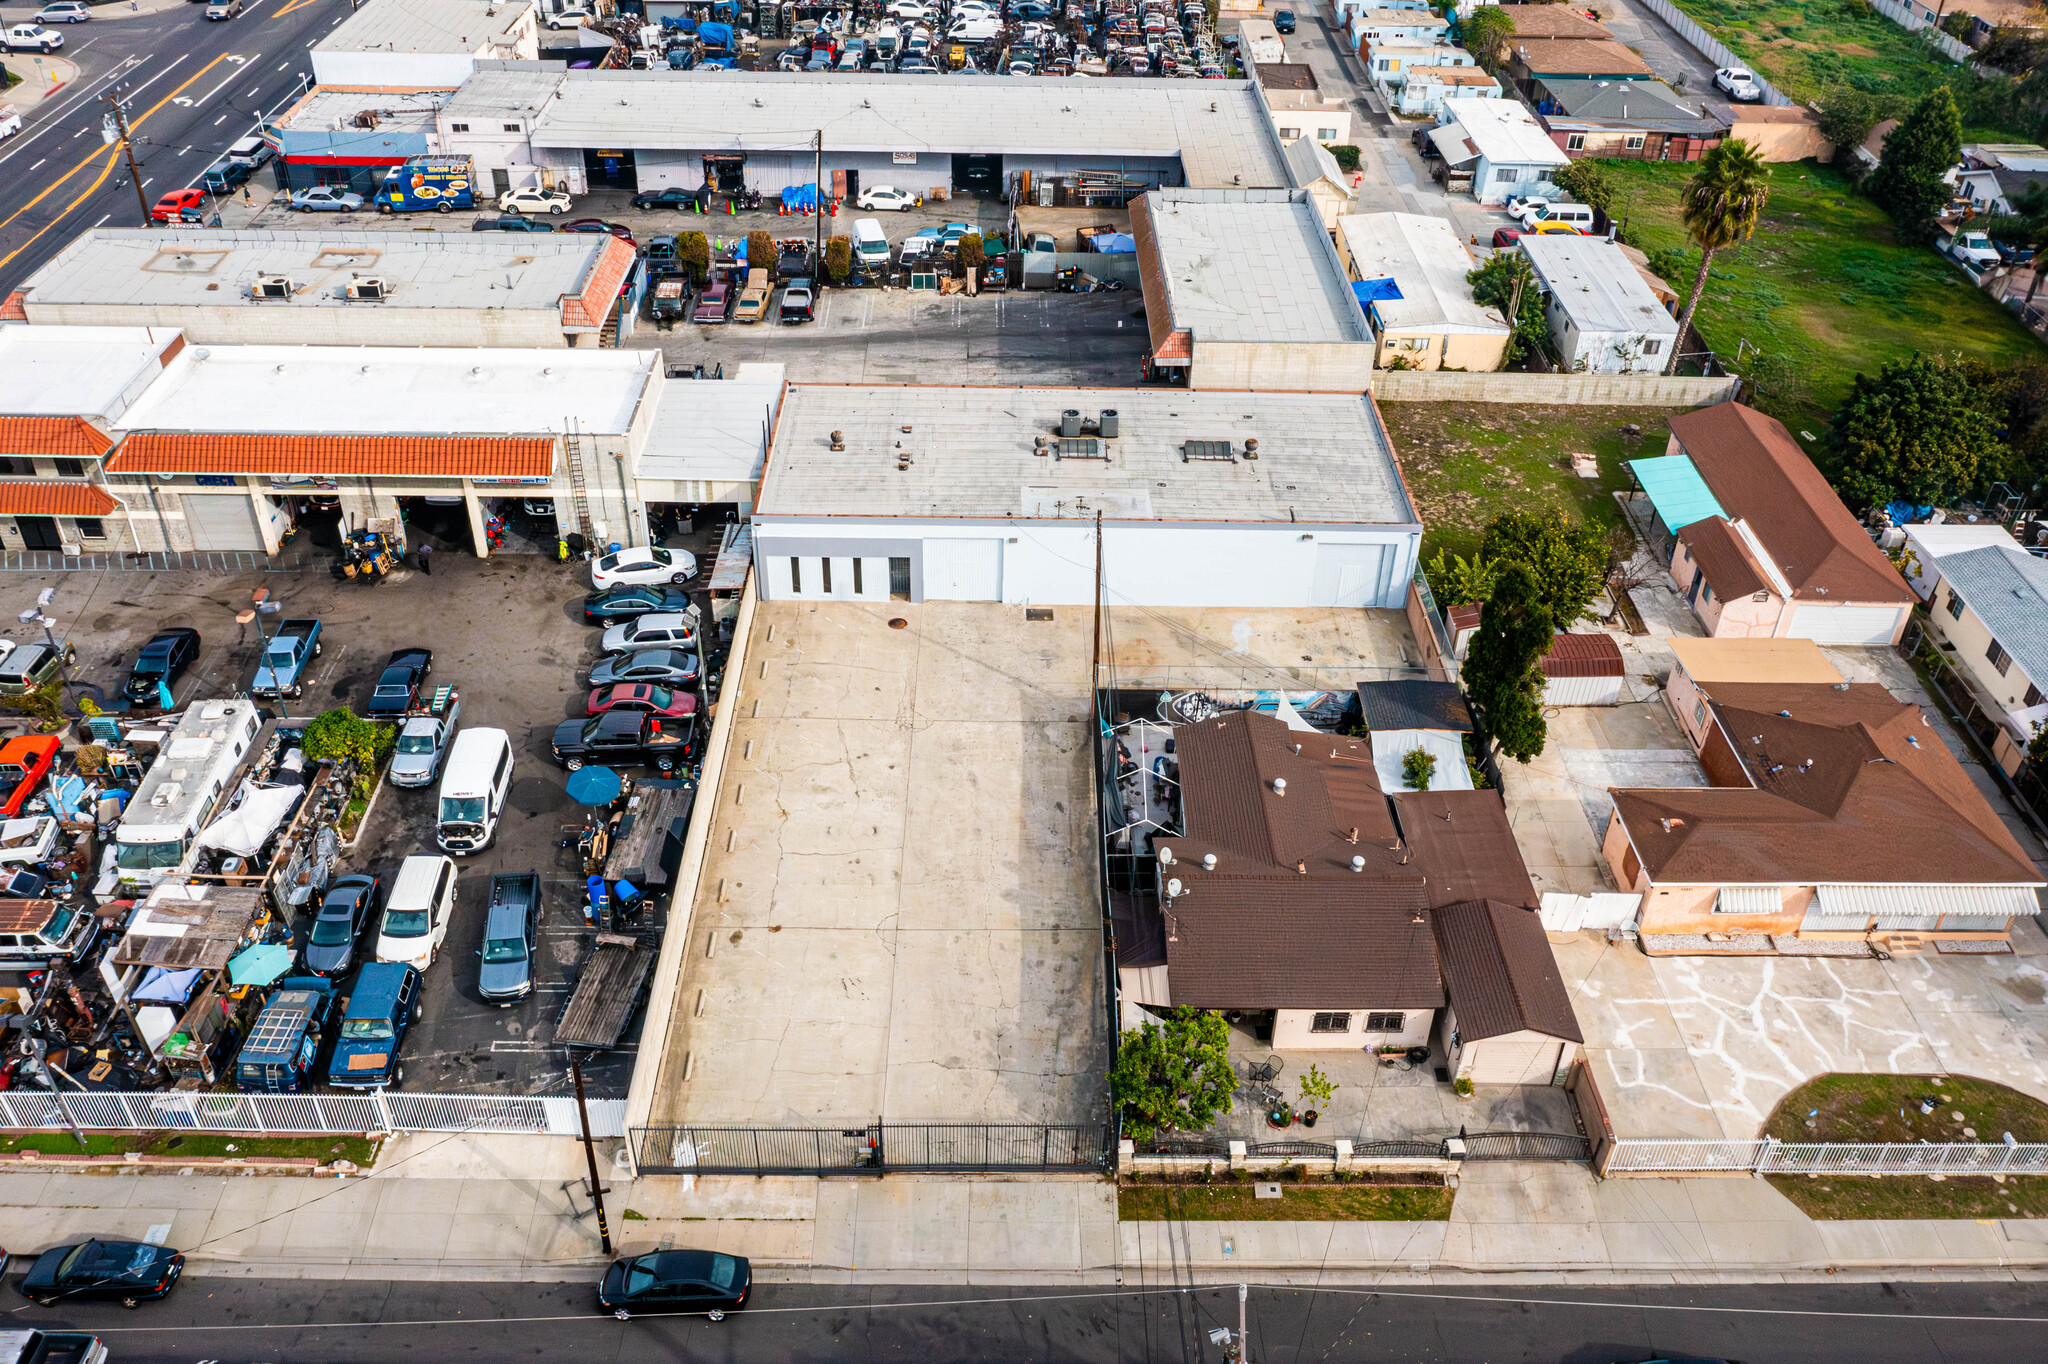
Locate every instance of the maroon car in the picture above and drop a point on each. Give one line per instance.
(619, 230)
(714, 304)
(1504, 237)
(643, 697)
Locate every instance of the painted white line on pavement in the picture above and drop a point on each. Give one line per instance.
(186, 148)
(147, 183)
(216, 90)
(103, 218)
(39, 163)
(222, 119)
(284, 65)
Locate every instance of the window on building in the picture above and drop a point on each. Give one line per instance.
(511, 127)
(899, 579)
(825, 572)
(1652, 344)
(1290, 132)
(856, 577)
(2033, 697)
(1326, 134)
(1633, 144)
(796, 574)
(91, 528)
(1330, 1023)
(1955, 605)
(1706, 590)
(17, 467)
(1699, 711)
(1385, 1022)
(458, 127)
(1506, 175)
(2000, 659)
(69, 468)
(1760, 596)
(1575, 142)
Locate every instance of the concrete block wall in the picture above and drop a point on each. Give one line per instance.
(1572, 390)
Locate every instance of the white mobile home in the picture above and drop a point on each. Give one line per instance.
(1603, 318)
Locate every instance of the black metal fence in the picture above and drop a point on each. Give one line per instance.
(1527, 1146)
(873, 1149)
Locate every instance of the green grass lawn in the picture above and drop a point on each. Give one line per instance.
(1824, 285)
(1835, 1198)
(360, 1150)
(1806, 47)
(1297, 1203)
(1466, 463)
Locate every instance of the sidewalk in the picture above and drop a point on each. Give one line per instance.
(494, 1208)
(41, 77)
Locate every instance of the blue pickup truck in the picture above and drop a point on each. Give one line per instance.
(290, 649)
(384, 1002)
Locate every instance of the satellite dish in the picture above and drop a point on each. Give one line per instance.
(1172, 887)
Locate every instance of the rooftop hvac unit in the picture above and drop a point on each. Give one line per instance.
(365, 289)
(271, 286)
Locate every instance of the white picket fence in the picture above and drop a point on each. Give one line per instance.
(309, 1114)
(1766, 1156)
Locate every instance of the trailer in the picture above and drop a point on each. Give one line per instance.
(607, 991)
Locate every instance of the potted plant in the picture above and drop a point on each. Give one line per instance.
(1280, 1117)
(1316, 1089)
(1462, 1086)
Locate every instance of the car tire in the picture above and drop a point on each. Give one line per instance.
(573, 764)
(905, 208)
(348, 208)
(558, 209)
(679, 579)
(317, 647)
(443, 207)
(398, 1075)
(716, 1314)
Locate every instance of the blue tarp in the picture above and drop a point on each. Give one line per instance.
(800, 196)
(1371, 289)
(1115, 243)
(1905, 513)
(715, 35)
(1676, 490)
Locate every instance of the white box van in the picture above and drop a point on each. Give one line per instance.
(969, 28)
(473, 788)
(416, 914)
(870, 243)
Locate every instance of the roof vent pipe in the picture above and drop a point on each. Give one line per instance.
(1208, 861)
(838, 440)
(1251, 449)
(1279, 786)
(1358, 863)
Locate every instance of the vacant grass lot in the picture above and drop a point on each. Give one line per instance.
(1466, 463)
(1297, 1203)
(1824, 285)
(1805, 47)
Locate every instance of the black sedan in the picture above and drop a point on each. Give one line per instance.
(163, 659)
(676, 1281)
(128, 1270)
(666, 198)
(625, 739)
(511, 222)
(663, 667)
(633, 599)
(398, 687)
(350, 904)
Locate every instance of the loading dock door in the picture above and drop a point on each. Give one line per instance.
(221, 521)
(963, 570)
(1347, 575)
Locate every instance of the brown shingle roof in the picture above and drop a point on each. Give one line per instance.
(1732, 571)
(19, 497)
(1554, 21)
(1851, 787)
(378, 456)
(1463, 847)
(1414, 703)
(1501, 973)
(63, 437)
(1229, 766)
(587, 311)
(1576, 57)
(1243, 943)
(1593, 655)
(1759, 475)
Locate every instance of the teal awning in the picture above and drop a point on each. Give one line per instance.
(1676, 490)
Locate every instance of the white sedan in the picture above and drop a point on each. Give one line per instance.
(532, 200)
(572, 17)
(912, 9)
(1738, 82)
(643, 565)
(886, 197)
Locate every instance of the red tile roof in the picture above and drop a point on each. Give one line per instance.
(21, 497)
(379, 456)
(588, 310)
(66, 437)
(11, 310)
(1582, 656)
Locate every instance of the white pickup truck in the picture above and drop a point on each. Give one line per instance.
(10, 120)
(1970, 246)
(1738, 83)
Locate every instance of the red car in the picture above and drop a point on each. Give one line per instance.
(24, 761)
(1504, 237)
(643, 697)
(179, 206)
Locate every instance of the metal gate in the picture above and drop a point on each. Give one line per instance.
(1527, 1146)
(873, 1149)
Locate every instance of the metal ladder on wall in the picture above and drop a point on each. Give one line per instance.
(572, 450)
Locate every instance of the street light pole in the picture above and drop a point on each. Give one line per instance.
(255, 612)
(118, 127)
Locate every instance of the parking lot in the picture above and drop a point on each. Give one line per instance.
(508, 633)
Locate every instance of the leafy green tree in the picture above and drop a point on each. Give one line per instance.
(1487, 30)
(1722, 205)
(1508, 282)
(1173, 1076)
(838, 259)
(1567, 562)
(1455, 580)
(1500, 674)
(971, 254)
(1418, 769)
(1586, 182)
(1922, 429)
(1847, 114)
(342, 737)
(1907, 182)
(693, 253)
(1345, 154)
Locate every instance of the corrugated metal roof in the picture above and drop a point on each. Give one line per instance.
(2008, 589)
(1676, 490)
(1858, 901)
(1590, 655)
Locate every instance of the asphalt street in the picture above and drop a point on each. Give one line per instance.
(191, 88)
(231, 1320)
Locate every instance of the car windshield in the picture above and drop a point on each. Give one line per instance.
(366, 1030)
(332, 932)
(422, 742)
(391, 690)
(149, 856)
(462, 810)
(504, 949)
(405, 923)
(725, 1271)
(661, 698)
(659, 556)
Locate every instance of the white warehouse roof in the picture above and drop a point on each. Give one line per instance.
(713, 430)
(440, 26)
(391, 390)
(1219, 129)
(1423, 256)
(973, 453)
(79, 371)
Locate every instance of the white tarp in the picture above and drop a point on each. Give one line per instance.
(244, 829)
(1567, 913)
(1391, 746)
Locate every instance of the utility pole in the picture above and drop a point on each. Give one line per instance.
(115, 129)
(604, 1228)
(259, 606)
(818, 246)
(1095, 654)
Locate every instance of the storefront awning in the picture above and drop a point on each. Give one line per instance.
(1677, 491)
(1884, 901)
(20, 498)
(151, 452)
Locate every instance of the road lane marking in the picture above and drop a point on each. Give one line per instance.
(286, 65)
(147, 183)
(222, 119)
(216, 89)
(297, 4)
(184, 149)
(103, 218)
(39, 163)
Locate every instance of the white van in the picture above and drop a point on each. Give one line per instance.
(473, 788)
(969, 28)
(1571, 215)
(416, 913)
(870, 243)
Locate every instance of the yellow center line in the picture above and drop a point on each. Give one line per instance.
(111, 154)
(287, 9)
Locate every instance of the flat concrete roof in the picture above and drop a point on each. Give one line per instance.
(427, 26)
(324, 110)
(391, 390)
(712, 429)
(1251, 265)
(1218, 129)
(77, 371)
(214, 269)
(506, 87)
(1321, 457)
(1425, 259)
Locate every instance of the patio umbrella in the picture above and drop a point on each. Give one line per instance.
(259, 965)
(593, 786)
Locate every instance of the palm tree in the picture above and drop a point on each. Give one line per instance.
(1721, 206)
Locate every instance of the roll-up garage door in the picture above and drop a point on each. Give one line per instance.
(221, 521)
(1846, 624)
(963, 570)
